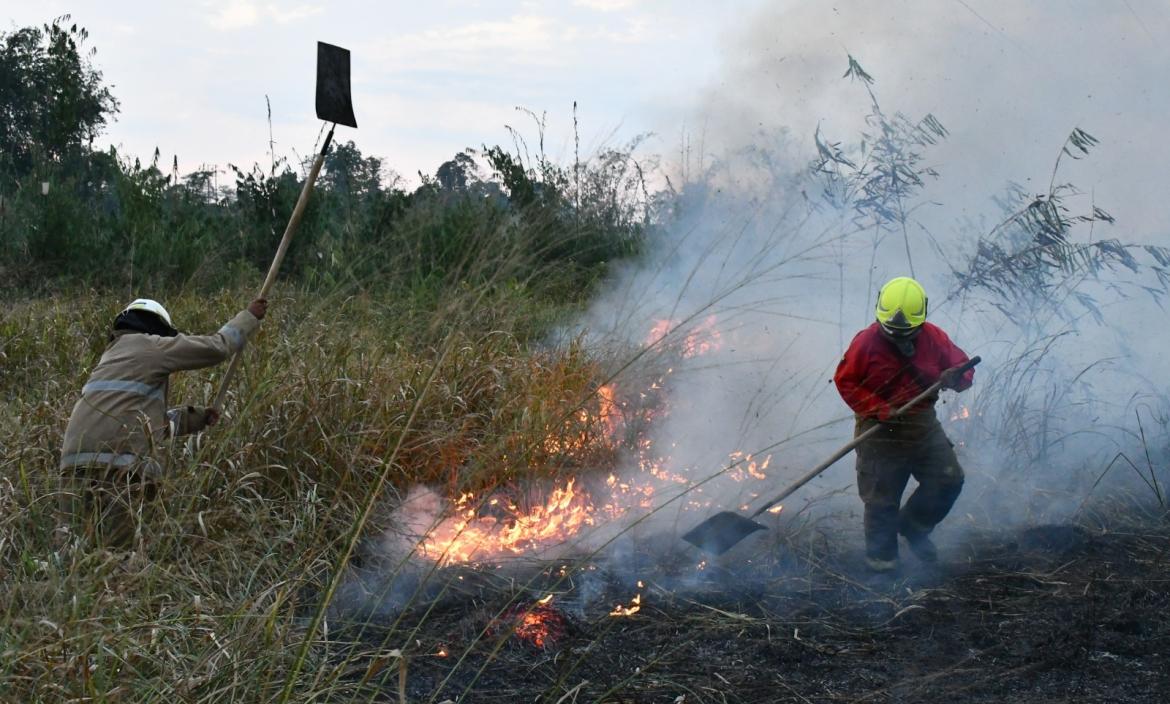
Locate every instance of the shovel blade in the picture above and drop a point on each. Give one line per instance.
(720, 532)
(334, 103)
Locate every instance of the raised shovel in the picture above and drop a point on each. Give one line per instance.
(720, 532)
(334, 105)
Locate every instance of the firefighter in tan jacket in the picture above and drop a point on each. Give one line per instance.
(108, 457)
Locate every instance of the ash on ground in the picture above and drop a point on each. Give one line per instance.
(1040, 613)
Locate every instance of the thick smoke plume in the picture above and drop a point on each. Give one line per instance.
(1000, 154)
(1007, 157)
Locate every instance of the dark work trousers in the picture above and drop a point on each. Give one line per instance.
(911, 446)
(105, 503)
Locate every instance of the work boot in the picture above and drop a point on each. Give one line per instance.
(917, 538)
(922, 546)
(876, 564)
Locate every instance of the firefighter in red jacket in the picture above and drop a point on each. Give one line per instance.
(887, 365)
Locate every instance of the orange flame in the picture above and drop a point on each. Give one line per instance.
(486, 529)
(608, 413)
(634, 607)
(702, 339)
(658, 331)
(539, 625)
(467, 537)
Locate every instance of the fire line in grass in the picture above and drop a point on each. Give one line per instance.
(483, 529)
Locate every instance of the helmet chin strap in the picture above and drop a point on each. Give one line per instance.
(903, 343)
(905, 347)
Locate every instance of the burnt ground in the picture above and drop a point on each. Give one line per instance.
(1048, 613)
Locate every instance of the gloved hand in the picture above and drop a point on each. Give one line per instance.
(186, 420)
(951, 378)
(258, 308)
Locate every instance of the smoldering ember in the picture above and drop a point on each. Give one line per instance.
(810, 352)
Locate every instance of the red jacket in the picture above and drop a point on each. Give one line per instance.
(875, 379)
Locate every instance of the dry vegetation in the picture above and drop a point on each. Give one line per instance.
(408, 346)
(224, 600)
(342, 404)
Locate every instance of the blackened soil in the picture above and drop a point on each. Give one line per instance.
(1043, 614)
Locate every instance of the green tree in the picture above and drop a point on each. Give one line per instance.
(52, 101)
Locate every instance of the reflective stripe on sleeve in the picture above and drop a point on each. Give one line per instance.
(145, 466)
(234, 336)
(121, 386)
(117, 460)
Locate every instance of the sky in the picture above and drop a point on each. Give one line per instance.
(429, 79)
(1009, 79)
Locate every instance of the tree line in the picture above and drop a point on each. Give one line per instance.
(73, 214)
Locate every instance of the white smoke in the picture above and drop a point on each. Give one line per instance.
(790, 279)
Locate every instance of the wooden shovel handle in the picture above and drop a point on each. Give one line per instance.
(849, 446)
(293, 222)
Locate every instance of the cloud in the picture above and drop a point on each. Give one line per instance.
(238, 14)
(516, 40)
(605, 5)
(234, 15)
(515, 33)
(547, 43)
(637, 30)
(293, 14)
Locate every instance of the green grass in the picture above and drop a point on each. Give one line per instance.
(114, 224)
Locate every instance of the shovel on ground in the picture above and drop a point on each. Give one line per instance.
(720, 532)
(334, 104)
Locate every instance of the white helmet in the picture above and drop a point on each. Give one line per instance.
(146, 304)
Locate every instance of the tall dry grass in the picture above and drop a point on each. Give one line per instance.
(345, 400)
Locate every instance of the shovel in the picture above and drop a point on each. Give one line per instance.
(334, 104)
(720, 532)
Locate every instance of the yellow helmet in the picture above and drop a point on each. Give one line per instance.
(901, 306)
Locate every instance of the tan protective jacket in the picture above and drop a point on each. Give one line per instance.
(122, 414)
